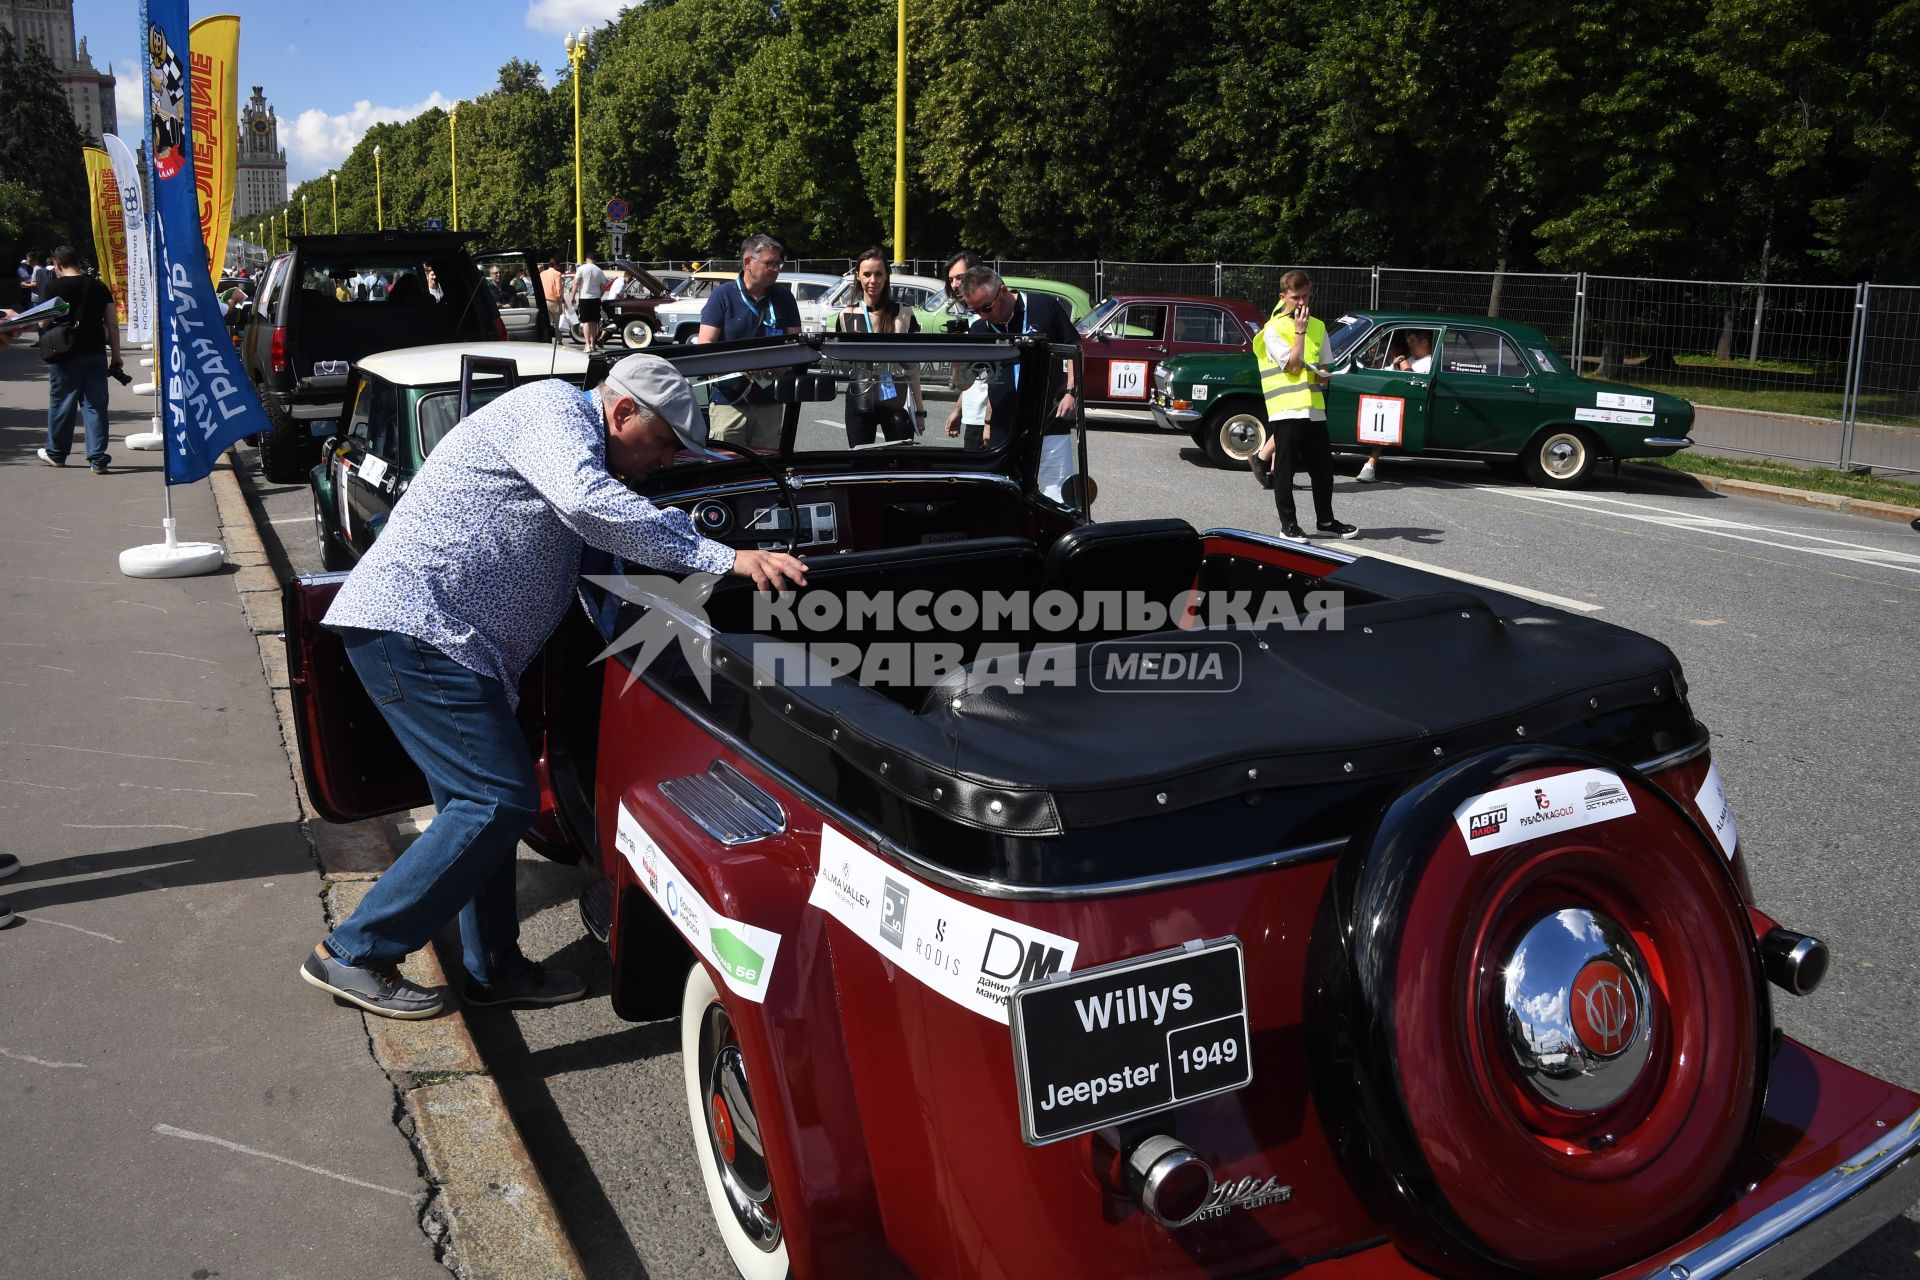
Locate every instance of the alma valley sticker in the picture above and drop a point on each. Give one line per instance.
(1715, 808)
(742, 954)
(1528, 810)
(972, 957)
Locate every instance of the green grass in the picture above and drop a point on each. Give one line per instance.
(1818, 479)
(1736, 364)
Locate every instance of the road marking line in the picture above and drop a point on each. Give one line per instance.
(198, 791)
(95, 751)
(1543, 597)
(184, 657)
(292, 520)
(191, 1136)
(39, 1062)
(60, 924)
(1736, 530)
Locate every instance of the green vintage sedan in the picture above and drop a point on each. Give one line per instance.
(1438, 386)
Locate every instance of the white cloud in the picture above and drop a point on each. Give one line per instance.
(562, 16)
(319, 141)
(129, 104)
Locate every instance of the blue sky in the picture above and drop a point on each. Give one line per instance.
(333, 67)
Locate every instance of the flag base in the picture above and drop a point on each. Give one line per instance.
(145, 440)
(172, 559)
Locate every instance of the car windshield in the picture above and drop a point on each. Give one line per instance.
(1348, 330)
(1096, 317)
(808, 290)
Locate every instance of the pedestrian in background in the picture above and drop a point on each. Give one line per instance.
(880, 396)
(954, 272)
(76, 350)
(1288, 349)
(552, 281)
(43, 277)
(589, 283)
(998, 309)
(754, 305)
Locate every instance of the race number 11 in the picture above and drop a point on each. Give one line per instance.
(1380, 419)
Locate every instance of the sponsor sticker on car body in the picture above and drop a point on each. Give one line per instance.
(742, 954)
(1528, 810)
(1712, 802)
(972, 957)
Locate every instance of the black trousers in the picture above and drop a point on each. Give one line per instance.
(890, 418)
(1301, 443)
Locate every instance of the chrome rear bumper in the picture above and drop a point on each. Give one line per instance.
(1817, 1223)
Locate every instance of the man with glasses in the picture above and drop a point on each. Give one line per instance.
(442, 617)
(956, 271)
(999, 309)
(754, 305)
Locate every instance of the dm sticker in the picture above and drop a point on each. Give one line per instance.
(972, 957)
(742, 954)
(1714, 807)
(1528, 810)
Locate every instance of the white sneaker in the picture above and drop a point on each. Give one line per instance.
(1366, 473)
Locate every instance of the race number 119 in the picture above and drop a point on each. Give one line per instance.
(1380, 419)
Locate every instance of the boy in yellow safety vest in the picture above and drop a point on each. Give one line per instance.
(1289, 350)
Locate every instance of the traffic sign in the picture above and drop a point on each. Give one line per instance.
(616, 210)
(434, 224)
(616, 226)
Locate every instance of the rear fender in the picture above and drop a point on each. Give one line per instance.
(792, 1038)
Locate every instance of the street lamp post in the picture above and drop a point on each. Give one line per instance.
(303, 213)
(900, 138)
(333, 180)
(453, 153)
(286, 226)
(577, 54)
(379, 215)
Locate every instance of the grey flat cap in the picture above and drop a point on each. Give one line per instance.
(658, 386)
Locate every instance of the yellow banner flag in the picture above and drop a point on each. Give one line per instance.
(214, 99)
(109, 226)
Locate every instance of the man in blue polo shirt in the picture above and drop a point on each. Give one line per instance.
(754, 305)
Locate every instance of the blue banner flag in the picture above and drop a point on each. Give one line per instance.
(209, 402)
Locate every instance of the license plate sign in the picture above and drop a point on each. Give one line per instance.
(1125, 1040)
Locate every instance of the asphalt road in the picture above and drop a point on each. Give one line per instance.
(1796, 628)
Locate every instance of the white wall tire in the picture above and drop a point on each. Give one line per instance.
(705, 1031)
(637, 335)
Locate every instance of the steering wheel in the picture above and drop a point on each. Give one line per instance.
(786, 489)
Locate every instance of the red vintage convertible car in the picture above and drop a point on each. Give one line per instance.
(1104, 946)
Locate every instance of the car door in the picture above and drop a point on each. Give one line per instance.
(1202, 328)
(1370, 403)
(1485, 400)
(370, 484)
(1119, 354)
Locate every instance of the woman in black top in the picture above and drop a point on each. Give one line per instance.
(886, 397)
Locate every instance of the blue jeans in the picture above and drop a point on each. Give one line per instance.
(458, 727)
(77, 383)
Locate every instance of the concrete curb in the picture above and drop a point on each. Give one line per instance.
(1774, 493)
(489, 1213)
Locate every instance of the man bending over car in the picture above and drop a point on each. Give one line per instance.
(473, 571)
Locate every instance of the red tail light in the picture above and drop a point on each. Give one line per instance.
(277, 356)
(499, 329)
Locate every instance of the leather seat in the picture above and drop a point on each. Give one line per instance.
(1158, 559)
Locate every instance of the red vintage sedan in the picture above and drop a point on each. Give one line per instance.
(1039, 898)
(1125, 338)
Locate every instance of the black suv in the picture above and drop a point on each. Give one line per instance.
(331, 300)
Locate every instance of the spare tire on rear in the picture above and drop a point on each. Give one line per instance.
(1550, 1017)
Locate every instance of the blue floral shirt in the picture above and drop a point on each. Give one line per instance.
(482, 553)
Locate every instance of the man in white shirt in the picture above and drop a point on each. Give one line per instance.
(589, 286)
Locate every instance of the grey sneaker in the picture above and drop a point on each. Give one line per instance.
(376, 988)
(534, 985)
(8, 865)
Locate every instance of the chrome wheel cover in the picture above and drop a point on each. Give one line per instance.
(733, 1132)
(1577, 1013)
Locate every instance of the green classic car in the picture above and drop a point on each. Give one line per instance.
(1438, 386)
(398, 406)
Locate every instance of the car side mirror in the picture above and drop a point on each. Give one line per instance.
(1096, 336)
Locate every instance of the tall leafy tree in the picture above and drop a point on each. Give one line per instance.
(40, 157)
